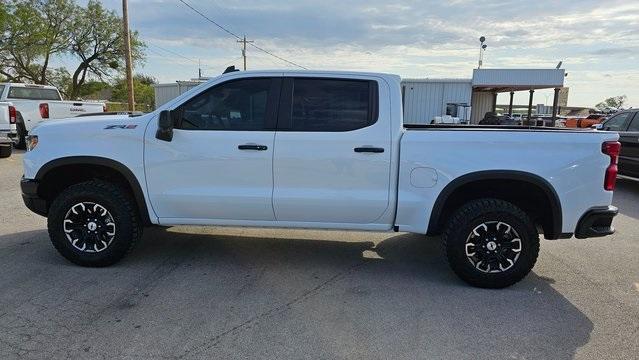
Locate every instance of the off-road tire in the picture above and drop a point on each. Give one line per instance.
(473, 214)
(120, 206)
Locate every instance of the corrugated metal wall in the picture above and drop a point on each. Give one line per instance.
(423, 100)
(167, 92)
(482, 103)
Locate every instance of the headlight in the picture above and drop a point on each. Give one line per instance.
(32, 142)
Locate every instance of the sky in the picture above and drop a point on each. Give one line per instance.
(598, 41)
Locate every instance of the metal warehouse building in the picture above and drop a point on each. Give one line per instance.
(166, 92)
(424, 99)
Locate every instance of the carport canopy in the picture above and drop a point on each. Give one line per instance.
(511, 80)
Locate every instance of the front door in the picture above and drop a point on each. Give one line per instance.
(332, 152)
(219, 162)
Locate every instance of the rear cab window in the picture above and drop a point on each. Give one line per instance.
(1, 90)
(33, 93)
(327, 105)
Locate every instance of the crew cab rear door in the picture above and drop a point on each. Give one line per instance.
(219, 163)
(332, 155)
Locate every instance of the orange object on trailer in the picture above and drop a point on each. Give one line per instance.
(585, 122)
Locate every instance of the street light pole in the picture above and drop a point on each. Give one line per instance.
(127, 54)
(482, 48)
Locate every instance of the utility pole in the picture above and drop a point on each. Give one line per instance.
(244, 41)
(127, 53)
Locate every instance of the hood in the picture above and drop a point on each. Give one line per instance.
(92, 125)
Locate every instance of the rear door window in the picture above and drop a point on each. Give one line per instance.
(332, 105)
(1, 90)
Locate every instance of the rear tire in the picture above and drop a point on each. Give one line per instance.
(21, 138)
(491, 243)
(94, 223)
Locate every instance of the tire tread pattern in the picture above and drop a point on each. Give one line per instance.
(118, 196)
(472, 210)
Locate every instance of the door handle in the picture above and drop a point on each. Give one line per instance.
(369, 149)
(252, 147)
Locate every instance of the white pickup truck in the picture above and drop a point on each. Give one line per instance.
(36, 103)
(328, 150)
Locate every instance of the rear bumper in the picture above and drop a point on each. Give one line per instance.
(31, 198)
(596, 222)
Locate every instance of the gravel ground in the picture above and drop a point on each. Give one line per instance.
(233, 293)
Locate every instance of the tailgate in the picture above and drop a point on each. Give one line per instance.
(66, 109)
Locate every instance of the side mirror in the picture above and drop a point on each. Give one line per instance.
(165, 126)
(597, 126)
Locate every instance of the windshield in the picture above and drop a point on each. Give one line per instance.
(32, 93)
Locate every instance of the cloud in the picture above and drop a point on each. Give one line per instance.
(412, 38)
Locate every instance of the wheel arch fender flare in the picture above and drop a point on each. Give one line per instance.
(523, 176)
(117, 166)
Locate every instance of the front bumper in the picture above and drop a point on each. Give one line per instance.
(30, 196)
(596, 222)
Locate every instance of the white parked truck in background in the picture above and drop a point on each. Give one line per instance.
(36, 103)
(329, 150)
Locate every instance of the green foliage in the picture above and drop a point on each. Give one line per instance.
(97, 40)
(615, 102)
(33, 32)
(144, 94)
(92, 88)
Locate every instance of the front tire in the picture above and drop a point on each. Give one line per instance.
(491, 243)
(94, 223)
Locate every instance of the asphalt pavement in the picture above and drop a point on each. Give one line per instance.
(237, 293)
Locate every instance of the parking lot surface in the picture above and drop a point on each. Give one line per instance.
(234, 293)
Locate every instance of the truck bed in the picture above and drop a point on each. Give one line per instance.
(493, 127)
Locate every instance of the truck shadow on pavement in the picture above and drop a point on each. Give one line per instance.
(626, 197)
(235, 294)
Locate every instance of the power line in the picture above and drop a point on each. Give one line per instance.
(176, 54)
(211, 20)
(278, 57)
(239, 37)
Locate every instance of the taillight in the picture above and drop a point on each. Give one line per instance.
(104, 108)
(44, 111)
(12, 115)
(612, 149)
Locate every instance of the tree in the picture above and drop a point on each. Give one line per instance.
(34, 31)
(615, 102)
(144, 93)
(98, 42)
